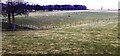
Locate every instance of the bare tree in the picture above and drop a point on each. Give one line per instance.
(13, 8)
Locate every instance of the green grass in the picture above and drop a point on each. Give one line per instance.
(59, 19)
(97, 34)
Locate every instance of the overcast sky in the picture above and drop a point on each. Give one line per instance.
(91, 4)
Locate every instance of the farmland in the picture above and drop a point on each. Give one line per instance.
(60, 32)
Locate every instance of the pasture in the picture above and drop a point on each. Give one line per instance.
(60, 32)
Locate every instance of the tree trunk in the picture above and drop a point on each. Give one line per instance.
(9, 15)
(13, 18)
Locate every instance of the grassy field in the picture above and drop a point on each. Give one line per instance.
(75, 33)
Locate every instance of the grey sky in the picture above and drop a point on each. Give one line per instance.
(91, 4)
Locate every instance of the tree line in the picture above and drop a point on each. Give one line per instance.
(59, 7)
(26, 7)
